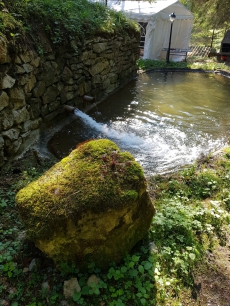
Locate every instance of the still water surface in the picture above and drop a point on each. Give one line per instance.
(166, 120)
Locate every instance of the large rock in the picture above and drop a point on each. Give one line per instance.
(92, 205)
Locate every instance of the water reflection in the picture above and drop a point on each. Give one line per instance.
(164, 120)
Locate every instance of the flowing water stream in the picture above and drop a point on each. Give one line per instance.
(166, 120)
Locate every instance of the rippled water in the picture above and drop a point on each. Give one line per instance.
(166, 120)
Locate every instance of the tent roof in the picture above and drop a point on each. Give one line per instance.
(145, 11)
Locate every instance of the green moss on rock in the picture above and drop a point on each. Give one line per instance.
(95, 180)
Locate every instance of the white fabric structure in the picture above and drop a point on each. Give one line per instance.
(156, 14)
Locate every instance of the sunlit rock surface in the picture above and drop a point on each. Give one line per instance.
(91, 206)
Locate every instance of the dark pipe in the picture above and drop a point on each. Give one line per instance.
(88, 98)
(69, 109)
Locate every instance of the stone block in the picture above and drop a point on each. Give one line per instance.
(39, 89)
(36, 62)
(11, 134)
(7, 82)
(22, 80)
(99, 67)
(35, 108)
(25, 58)
(44, 110)
(66, 74)
(12, 148)
(85, 55)
(87, 86)
(19, 69)
(28, 68)
(50, 95)
(17, 97)
(20, 115)
(6, 119)
(53, 106)
(28, 140)
(49, 73)
(99, 47)
(4, 100)
(54, 114)
(30, 84)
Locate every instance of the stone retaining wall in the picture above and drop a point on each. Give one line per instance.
(34, 88)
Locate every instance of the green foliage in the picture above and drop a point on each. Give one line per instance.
(68, 21)
(216, 12)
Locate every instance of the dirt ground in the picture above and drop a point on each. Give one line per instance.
(213, 280)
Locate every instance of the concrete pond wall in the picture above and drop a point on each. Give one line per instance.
(34, 88)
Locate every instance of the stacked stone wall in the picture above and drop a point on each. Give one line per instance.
(34, 88)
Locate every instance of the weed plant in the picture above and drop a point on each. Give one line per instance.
(192, 217)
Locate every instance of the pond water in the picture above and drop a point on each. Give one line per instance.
(166, 120)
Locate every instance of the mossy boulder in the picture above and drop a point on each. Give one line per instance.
(92, 205)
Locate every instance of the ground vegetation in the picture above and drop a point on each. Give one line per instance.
(201, 63)
(172, 265)
(64, 22)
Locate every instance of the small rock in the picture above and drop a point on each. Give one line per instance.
(93, 280)
(46, 286)
(153, 247)
(21, 235)
(25, 270)
(33, 265)
(70, 287)
(4, 303)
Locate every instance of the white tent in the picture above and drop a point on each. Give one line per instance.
(156, 15)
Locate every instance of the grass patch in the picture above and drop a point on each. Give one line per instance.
(192, 63)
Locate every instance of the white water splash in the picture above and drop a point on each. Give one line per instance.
(157, 149)
(131, 139)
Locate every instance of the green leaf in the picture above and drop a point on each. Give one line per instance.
(148, 265)
(139, 294)
(192, 256)
(141, 269)
(82, 281)
(135, 258)
(85, 290)
(123, 269)
(133, 273)
(97, 291)
(76, 296)
(143, 301)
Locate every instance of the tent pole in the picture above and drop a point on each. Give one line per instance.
(170, 36)
(172, 18)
